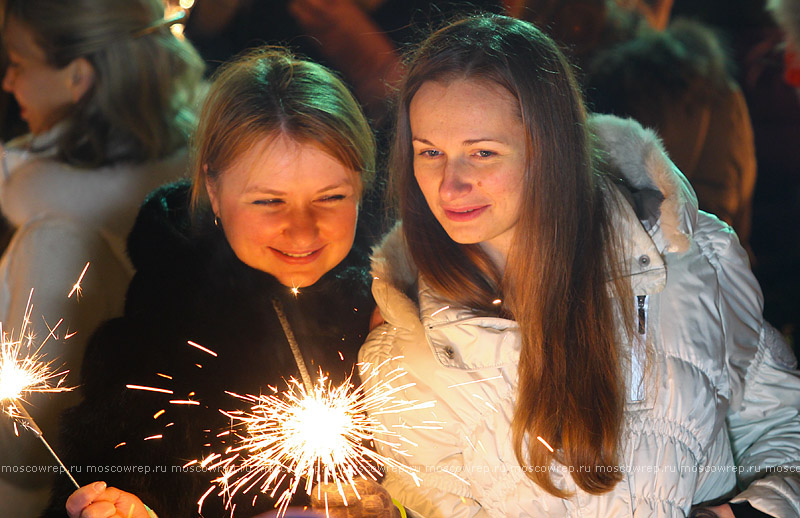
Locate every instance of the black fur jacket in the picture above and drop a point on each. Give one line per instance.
(190, 286)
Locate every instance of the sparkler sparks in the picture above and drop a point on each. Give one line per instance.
(546, 445)
(204, 349)
(149, 389)
(23, 367)
(23, 371)
(316, 436)
(76, 288)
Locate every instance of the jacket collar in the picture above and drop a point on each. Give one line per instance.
(22, 148)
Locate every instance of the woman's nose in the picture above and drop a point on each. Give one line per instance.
(8, 80)
(302, 228)
(455, 182)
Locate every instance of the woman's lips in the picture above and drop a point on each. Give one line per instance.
(465, 213)
(297, 257)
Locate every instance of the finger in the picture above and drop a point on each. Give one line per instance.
(102, 509)
(329, 494)
(127, 504)
(82, 497)
(375, 506)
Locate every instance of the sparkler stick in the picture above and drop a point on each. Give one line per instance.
(25, 419)
(298, 356)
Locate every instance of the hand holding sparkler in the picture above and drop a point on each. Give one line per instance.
(99, 501)
(314, 433)
(364, 499)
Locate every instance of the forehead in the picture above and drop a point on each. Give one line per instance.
(463, 105)
(18, 39)
(287, 164)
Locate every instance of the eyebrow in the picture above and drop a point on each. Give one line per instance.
(273, 192)
(468, 142)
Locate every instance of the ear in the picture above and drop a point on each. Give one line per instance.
(211, 189)
(81, 78)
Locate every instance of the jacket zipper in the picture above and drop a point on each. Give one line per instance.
(639, 351)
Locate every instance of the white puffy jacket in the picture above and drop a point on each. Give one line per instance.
(712, 390)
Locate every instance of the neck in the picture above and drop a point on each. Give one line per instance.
(498, 255)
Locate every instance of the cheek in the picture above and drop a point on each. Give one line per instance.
(22, 89)
(507, 183)
(428, 185)
(341, 227)
(511, 190)
(248, 229)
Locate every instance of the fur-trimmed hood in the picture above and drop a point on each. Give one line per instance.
(638, 157)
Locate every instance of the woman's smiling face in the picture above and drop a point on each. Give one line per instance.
(288, 208)
(469, 159)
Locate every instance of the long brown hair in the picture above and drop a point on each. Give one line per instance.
(555, 280)
(147, 82)
(266, 92)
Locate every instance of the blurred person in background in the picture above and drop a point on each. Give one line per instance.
(108, 94)
(758, 44)
(677, 82)
(674, 78)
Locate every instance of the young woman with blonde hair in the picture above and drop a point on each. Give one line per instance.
(282, 161)
(593, 343)
(109, 95)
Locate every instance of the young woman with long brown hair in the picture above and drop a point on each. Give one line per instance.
(593, 343)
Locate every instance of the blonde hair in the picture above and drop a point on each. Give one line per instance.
(269, 91)
(555, 281)
(142, 103)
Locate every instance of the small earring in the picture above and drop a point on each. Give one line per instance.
(216, 221)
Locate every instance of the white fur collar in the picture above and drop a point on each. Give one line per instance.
(638, 156)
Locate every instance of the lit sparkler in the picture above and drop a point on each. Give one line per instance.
(23, 371)
(311, 437)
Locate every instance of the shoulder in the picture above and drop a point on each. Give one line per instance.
(394, 280)
(37, 184)
(166, 228)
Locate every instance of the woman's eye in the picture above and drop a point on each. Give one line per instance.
(268, 202)
(333, 197)
(484, 153)
(430, 153)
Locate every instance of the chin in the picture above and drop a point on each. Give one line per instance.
(463, 239)
(298, 281)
